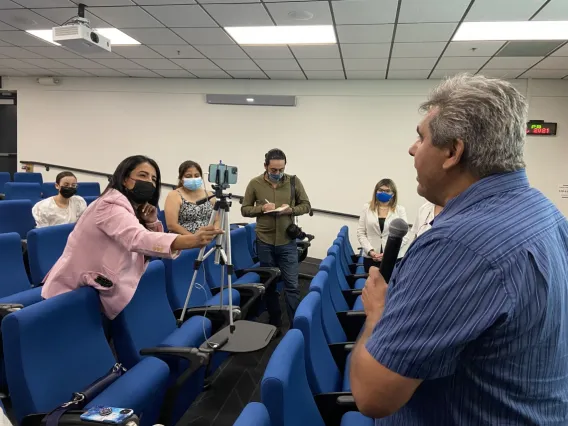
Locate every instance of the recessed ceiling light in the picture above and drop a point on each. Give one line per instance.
(250, 99)
(507, 31)
(117, 37)
(278, 35)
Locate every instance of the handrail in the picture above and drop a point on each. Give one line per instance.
(169, 185)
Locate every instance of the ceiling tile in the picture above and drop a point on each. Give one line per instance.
(276, 1)
(210, 73)
(418, 50)
(163, 36)
(278, 64)
(408, 74)
(72, 72)
(46, 3)
(325, 75)
(294, 13)
(156, 2)
(365, 64)
(502, 10)
(141, 73)
(102, 55)
(53, 52)
(509, 74)
(177, 51)
(365, 33)
(18, 53)
(6, 27)
(181, 16)
(157, 64)
(21, 38)
(316, 52)
(25, 19)
(473, 48)
(239, 15)
(438, 73)
(286, 75)
(46, 63)
(228, 1)
(126, 17)
(268, 52)
(61, 15)
(408, 33)
(105, 72)
(554, 63)
(7, 4)
(204, 35)
(9, 72)
(538, 73)
(365, 11)
(456, 62)
(14, 63)
(81, 63)
(136, 52)
(174, 73)
(248, 74)
(432, 11)
(366, 75)
(321, 64)
(222, 51)
(196, 64)
(556, 10)
(236, 64)
(563, 51)
(517, 62)
(412, 63)
(38, 72)
(107, 2)
(119, 64)
(365, 50)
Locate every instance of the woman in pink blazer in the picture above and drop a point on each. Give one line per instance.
(111, 242)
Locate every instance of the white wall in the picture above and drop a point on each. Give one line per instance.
(342, 137)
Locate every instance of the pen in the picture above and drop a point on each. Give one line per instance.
(267, 202)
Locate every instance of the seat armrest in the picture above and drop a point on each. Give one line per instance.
(352, 278)
(267, 274)
(7, 308)
(351, 296)
(71, 418)
(165, 353)
(352, 323)
(340, 351)
(250, 296)
(219, 315)
(333, 405)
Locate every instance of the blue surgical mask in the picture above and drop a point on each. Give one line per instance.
(383, 197)
(192, 184)
(276, 177)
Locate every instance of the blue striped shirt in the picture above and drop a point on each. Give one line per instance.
(478, 309)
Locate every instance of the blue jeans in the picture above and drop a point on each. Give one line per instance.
(286, 258)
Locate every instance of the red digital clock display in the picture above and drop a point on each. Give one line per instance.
(540, 128)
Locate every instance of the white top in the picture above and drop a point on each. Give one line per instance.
(369, 232)
(422, 222)
(48, 213)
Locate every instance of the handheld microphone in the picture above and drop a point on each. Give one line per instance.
(397, 230)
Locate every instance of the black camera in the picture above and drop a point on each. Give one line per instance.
(295, 233)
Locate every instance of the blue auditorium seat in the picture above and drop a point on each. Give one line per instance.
(346, 261)
(16, 216)
(356, 283)
(23, 191)
(148, 322)
(58, 347)
(90, 198)
(213, 273)
(351, 255)
(48, 190)
(285, 390)
(45, 246)
(28, 177)
(251, 233)
(254, 414)
(242, 258)
(89, 189)
(4, 177)
(162, 218)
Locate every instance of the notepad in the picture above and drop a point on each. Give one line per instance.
(278, 210)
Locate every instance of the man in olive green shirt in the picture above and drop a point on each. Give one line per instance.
(268, 192)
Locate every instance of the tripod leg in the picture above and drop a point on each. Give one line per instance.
(229, 268)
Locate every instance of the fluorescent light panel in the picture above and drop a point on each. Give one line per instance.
(117, 37)
(279, 35)
(508, 31)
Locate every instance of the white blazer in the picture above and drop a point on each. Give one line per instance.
(369, 232)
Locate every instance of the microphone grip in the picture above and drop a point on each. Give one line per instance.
(390, 256)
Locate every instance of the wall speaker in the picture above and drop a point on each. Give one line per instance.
(251, 100)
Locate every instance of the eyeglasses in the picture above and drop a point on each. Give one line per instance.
(67, 185)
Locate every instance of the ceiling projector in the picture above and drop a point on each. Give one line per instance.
(80, 37)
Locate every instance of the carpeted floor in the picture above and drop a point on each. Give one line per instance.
(237, 381)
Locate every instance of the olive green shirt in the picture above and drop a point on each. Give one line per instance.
(271, 228)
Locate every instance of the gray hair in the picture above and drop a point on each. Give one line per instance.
(489, 115)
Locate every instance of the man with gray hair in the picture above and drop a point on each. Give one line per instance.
(473, 326)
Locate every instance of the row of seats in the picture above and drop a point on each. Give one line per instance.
(306, 381)
(35, 192)
(20, 177)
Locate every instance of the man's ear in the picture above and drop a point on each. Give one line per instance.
(454, 154)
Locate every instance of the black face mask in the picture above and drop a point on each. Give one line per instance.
(67, 191)
(142, 192)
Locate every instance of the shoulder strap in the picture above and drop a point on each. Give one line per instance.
(293, 190)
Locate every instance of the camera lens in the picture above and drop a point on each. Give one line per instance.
(94, 37)
(125, 411)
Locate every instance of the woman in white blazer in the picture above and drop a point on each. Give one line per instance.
(373, 229)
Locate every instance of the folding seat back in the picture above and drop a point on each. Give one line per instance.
(328, 265)
(45, 247)
(251, 233)
(4, 177)
(162, 218)
(89, 199)
(14, 277)
(16, 216)
(28, 177)
(254, 414)
(323, 374)
(89, 189)
(23, 191)
(331, 326)
(284, 388)
(340, 276)
(48, 189)
(242, 258)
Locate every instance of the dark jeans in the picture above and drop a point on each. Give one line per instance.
(286, 258)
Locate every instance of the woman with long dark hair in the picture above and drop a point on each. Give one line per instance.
(113, 240)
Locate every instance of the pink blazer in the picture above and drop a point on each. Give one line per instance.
(108, 242)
